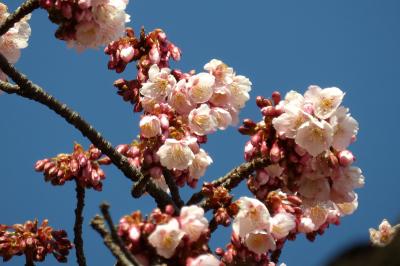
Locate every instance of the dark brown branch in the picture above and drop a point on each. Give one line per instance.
(26, 8)
(161, 197)
(140, 186)
(176, 197)
(104, 207)
(32, 91)
(8, 87)
(232, 179)
(78, 241)
(98, 225)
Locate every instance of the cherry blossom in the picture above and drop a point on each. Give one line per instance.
(324, 101)
(15, 39)
(260, 242)
(150, 126)
(204, 260)
(175, 154)
(200, 164)
(166, 237)
(384, 235)
(193, 222)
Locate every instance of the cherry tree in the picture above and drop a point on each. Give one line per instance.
(298, 166)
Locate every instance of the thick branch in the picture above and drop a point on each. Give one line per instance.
(25, 9)
(161, 197)
(140, 186)
(78, 241)
(32, 91)
(176, 197)
(98, 225)
(231, 179)
(104, 207)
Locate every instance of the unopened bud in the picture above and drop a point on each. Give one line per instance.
(346, 158)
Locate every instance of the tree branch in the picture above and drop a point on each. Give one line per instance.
(176, 197)
(26, 8)
(98, 225)
(78, 241)
(231, 179)
(8, 87)
(160, 196)
(104, 207)
(32, 91)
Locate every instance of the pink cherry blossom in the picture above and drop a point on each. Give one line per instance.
(200, 164)
(201, 121)
(175, 154)
(150, 126)
(204, 260)
(324, 101)
(260, 242)
(193, 222)
(166, 238)
(201, 87)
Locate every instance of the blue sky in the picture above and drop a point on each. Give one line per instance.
(279, 45)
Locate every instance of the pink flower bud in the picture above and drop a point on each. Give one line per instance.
(346, 158)
(275, 153)
(164, 122)
(127, 53)
(133, 151)
(262, 177)
(66, 10)
(276, 97)
(154, 55)
(156, 172)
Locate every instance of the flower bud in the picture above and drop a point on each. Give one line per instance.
(346, 158)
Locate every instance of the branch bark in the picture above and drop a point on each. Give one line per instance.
(34, 92)
(173, 188)
(232, 178)
(104, 207)
(78, 241)
(25, 9)
(99, 226)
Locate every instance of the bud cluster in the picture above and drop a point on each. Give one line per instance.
(384, 234)
(86, 23)
(176, 240)
(147, 50)
(84, 166)
(34, 242)
(14, 39)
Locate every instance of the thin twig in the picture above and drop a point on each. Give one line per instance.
(173, 188)
(104, 207)
(98, 225)
(26, 8)
(8, 87)
(232, 178)
(78, 241)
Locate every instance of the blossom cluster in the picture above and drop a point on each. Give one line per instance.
(81, 165)
(306, 139)
(33, 241)
(182, 240)
(87, 23)
(179, 113)
(14, 39)
(384, 235)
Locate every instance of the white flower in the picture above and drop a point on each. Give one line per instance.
(315, 136)
(315, 189)
(347, 208)
(306, 225)
(222, 73)
(282, 224)
(150, 126)
(14, 39)
(384, 235)
(159, 84)
(259, 242)
(289, 122)
(105, 23)
(200, 164)
(222, 116)
(179, 98)
(349, 178)
(240, 88)
(201, 87)
(205, 260)
(193, 222)
(274, 170)
(201, 121)
(175, 154)
(292, 99)
(253, 215)
(221, 97)
(325, 101)
(345, 128)
(166, 237)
